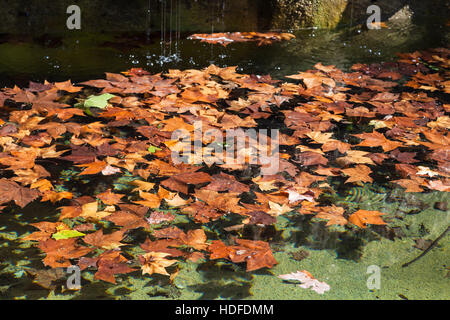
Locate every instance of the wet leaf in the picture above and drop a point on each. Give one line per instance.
(362, 218)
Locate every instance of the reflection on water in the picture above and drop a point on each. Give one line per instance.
(80, 56)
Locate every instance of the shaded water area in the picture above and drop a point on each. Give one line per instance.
(337, 256)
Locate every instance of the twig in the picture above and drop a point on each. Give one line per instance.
(432, 245)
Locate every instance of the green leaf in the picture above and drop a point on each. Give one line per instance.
(100, 101)
(67, 234)
(153, 149)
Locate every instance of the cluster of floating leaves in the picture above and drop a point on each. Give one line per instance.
(225, 38)
(119, 129)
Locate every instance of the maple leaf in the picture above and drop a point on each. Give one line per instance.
(276, 209)
(320, 137)
(355, 156)
(295, 196)
(313, 79)
(310, 158)
(202, 212)
(439, 185)
(155, 262)
(218, 250)
(42, 185)
(260, 218)
(177, 201)
(108, 241)
(59, 252)
(175, 123)
(362, 218)
(142, 185)
(46, 230)
(168, 233)
(425, 171)
(411, 185)
(226, 182)
(305, 179)
(257, 254)
(194, 238)
(376, 139)
(360, 173)
(67, 86)
(81, 154)
(378, 158)
(128, 220)
(166, 246)
(109, 170)
(404, 157)
(307, 281)
(151, 200)
(110, 198)
(264, 184)
(334, 215)
(332, 145)
(67, 234)
(109, 264)
(227, 202)
(179, 182)
(158, 217)
(93, 167)
(11, 191)
(90, 211)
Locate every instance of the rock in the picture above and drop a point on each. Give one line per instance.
(441, 205)
(294, 14)
(299, 255)
(422, 244)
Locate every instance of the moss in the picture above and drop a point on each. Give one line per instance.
(329, 13)
(291, 14)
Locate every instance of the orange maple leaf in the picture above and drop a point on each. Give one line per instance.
(362, 218)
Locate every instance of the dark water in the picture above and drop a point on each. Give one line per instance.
(81, 56)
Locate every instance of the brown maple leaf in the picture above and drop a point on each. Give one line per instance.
(376, 139)
(202, 212)
(167, 246)
(226, 182)
(257, 254)
(179, 182)
(11, 191)
(360, 173)
(59, 252)
(110, 198)
(334, 215)
(220, 201)
(109, 264)
(105, 241)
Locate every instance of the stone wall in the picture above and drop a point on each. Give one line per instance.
(49, 16)
(295, 14)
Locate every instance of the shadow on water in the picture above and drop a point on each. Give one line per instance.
(223, 281)
(317, 236)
